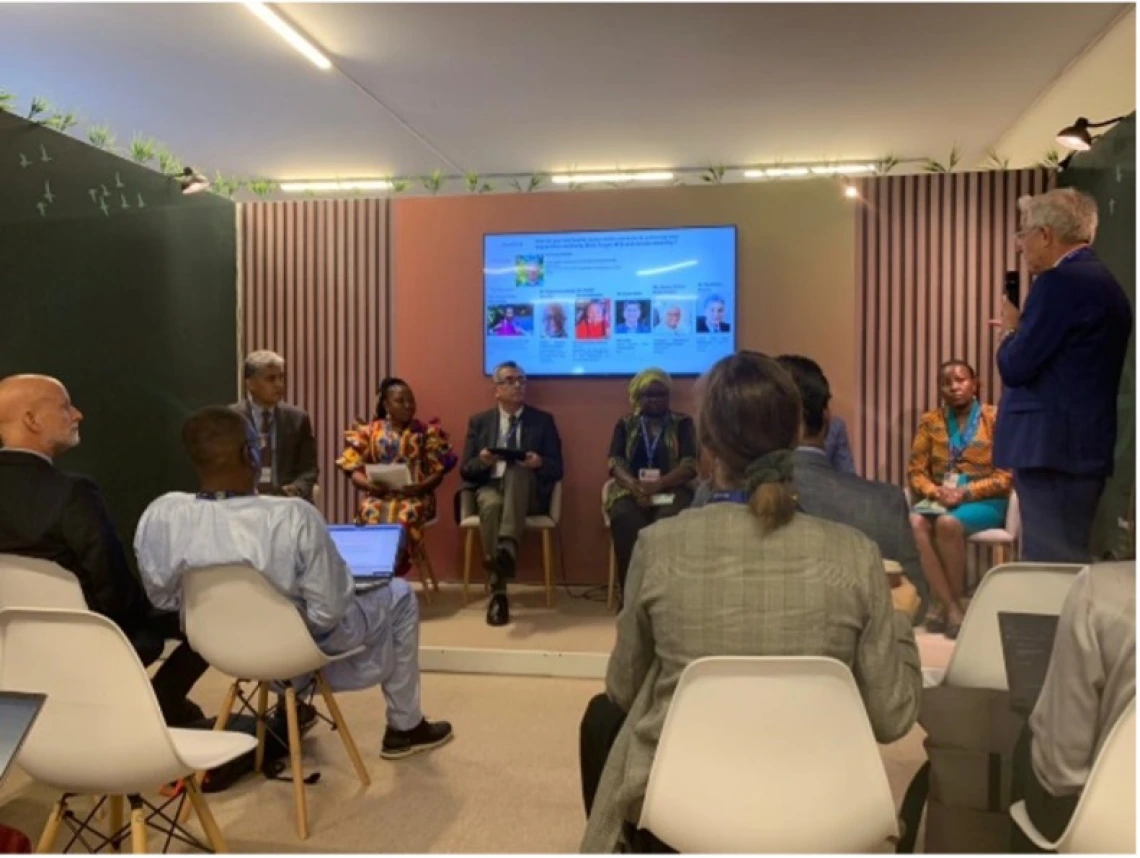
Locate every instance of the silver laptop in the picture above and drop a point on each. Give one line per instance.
(18, 712)
(371, 551)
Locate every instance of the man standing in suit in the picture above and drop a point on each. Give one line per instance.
(506, 489)
(50, 515)
(285, 433)
(878, 510)
(1060, 363)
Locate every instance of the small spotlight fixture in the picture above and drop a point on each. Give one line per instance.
(1077, 136)
(192, 181)
(850, 192)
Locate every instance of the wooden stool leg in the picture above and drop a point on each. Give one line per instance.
(342, 729)
(295, 760)
(423, 566)
(51, 827)
(219, 724)
(547, 570)
(613, 574)
(213, 833)
(138, 826)
(468, 547)
(115, 818)
(262, 708)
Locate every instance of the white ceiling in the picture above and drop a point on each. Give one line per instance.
(516, 88)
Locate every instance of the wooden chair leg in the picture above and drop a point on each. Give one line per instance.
(430, 570)
(227, 706)
(138, 826)
(468, 547)
(547, 571)
(262, 708)
(202, 808)
(342, 729)
(423, 566)
(115, 818)
(295, 761)
(51, 827)
(613, 574)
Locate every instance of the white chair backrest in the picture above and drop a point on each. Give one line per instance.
(1031, 588)
(26, 582)
(1104, 822)
(556, 503)
(768, 755)
(101, 724)
(239, 622)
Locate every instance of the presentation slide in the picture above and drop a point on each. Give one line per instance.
(610, 303)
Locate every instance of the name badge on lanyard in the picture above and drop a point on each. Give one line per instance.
(650, 474)
(950, 480)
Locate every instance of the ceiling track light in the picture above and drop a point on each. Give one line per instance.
(596, 178)
(352, 185)
(801, 171)
(287, 32)
(1077, 137)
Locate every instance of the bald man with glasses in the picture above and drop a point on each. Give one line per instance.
(509, 487)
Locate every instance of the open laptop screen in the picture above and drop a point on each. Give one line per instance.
(370, 551)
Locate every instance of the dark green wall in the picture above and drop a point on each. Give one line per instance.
(124, 289)
(1108, 172)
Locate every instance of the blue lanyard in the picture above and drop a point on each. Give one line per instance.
(650, 449)
(738, 496)
(959, 441)
(512, 431)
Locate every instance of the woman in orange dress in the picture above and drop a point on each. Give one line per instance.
(395, 436)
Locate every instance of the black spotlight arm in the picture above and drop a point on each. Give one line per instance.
(1106, 122)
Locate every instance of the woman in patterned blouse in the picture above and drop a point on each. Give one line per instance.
(653, 454)
(395, 436)
(957, 489)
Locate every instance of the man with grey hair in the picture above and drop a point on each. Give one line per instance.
(1060, 362)
(285, 433)
(511, 461)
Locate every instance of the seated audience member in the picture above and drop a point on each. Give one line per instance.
(507, 490)
(1091, 681)
(51, 515)
(957, 490)
(395, 436)
(653, 454)
(286, 540)
(837, 446)
(285, 433)
(746, 575)
(878, 510)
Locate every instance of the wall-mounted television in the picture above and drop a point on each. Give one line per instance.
(610, 303)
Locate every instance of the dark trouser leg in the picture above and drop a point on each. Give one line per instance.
(177, 675)
(596, 735)
(1049, 814)
(627, 518)
(1057, 514)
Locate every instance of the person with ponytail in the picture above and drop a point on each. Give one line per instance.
(396, 436)
(746, 575)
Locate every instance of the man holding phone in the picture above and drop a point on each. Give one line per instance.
(511, 461)
(1060, 363)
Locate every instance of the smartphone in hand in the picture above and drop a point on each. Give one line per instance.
(1012, 288)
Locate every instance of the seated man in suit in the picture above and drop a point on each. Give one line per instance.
(51, 515)
(285, 433)
(879, 510)
(287, 541)
(506, 492)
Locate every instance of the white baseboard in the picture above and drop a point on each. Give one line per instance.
(514, 662)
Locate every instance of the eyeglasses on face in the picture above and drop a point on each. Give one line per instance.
(512, 381)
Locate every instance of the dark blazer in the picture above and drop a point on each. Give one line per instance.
(537, 434)
(878, 510)
(1061, 372)
(703, 326)
(295, 444)
(48, 514)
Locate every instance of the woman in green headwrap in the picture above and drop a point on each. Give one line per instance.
(653, 458)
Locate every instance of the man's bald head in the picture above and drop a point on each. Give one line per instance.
(36, 414)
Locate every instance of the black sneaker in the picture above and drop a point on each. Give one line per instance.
(423, 737)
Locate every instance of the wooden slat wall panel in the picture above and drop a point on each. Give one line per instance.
(932, 251)
(314, 288)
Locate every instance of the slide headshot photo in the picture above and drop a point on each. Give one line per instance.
(510, 320)
(555, 319)
(672, 316)
(530, 270)
(592, 319)
(714, 319)
(633, 317)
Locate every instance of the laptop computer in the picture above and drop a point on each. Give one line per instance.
(371, 551)
(18, 712)
(1027, 646)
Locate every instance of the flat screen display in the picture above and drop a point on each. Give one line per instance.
(610, 303)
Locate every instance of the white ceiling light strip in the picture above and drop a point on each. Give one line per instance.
(595, 178)
(282, 28)
(360, 185)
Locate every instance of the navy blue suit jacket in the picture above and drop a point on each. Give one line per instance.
(1061, 372)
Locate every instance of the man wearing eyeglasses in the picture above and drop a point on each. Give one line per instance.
(511, 461)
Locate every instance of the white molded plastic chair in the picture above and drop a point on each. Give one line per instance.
(547, 524)
(422, 562)
(26, 582)
(613, 557)
(1104, 822)
(101, 731)
(1031, 588)
(1004, 538)
(241, 625)
(768, 755)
